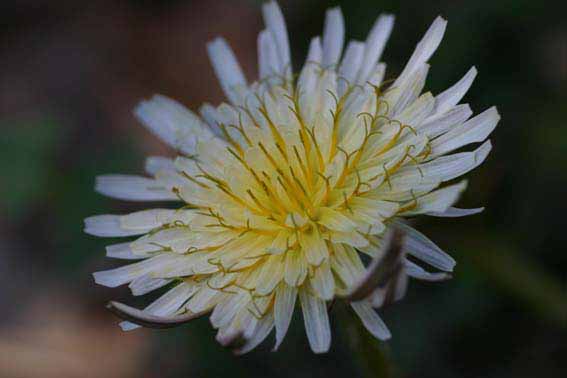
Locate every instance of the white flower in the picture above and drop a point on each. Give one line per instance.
(286, 185)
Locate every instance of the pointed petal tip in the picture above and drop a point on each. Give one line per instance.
(387, 337)
(101, 278)
(89, 231)
(485, 148)
(102, 225)
(128, 326)
(270, 3)
(428, 95)
(232, 341)
(387, 17)
(216, 40)
(217, 44)
(271, 10)
(440, 20)
(494, 112)
(321, 351)
(336, 9)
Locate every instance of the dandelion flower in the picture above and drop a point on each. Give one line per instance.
(280, 192)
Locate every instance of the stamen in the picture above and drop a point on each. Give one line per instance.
(412, 205)
(311, 133)
(387, 176)
(303, 167)
(249, 114)
(230, 139)
(194, 180)
(210, 177)
(262, 208)
(345, 203)
(327, 186)
(273, 128)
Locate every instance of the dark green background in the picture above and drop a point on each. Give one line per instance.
(71, 73)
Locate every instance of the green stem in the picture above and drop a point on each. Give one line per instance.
(371, 356)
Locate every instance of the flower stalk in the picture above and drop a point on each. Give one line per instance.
(370, 355)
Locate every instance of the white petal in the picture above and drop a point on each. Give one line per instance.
(283, 310)
(451, 97)
(202, 300)
(107, 226)
(127, 273)
(354, 239)
(122, 251)
(172, 122)
(226, 310)
(335, 220)
(268, 63)
(136, 223)
(262, 330)
(455, 212)
(375, 44)
(274, 20)
(438, 200)
(377, 75)
(406, 92)
(371, 320)
(347, 265)
(474, 130)
(316, 321)
(146, 283)
(209, 114)
(323, 282)
(309, 74)
(154, 164)
(419, 246)
(295, 268)
(213, 118)
(406, 187)
(350, 65)
(227, 69)
(314, 246)
(171, 301)
(280, 243)
(171, 179)
(243, 326)
(315, 53)
(401, 285)
(448, 167)
(438, 124)
(415, 271)
(415, 113)
(133, 188)
(271, 274)
(424, 49)
(167, 304)
(128, 326)
(333, 37)
(147, 220)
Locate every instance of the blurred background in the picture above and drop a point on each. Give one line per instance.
(71, 71)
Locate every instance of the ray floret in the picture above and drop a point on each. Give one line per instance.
(280, 191)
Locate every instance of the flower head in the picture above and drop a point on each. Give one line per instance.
(282, 189)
